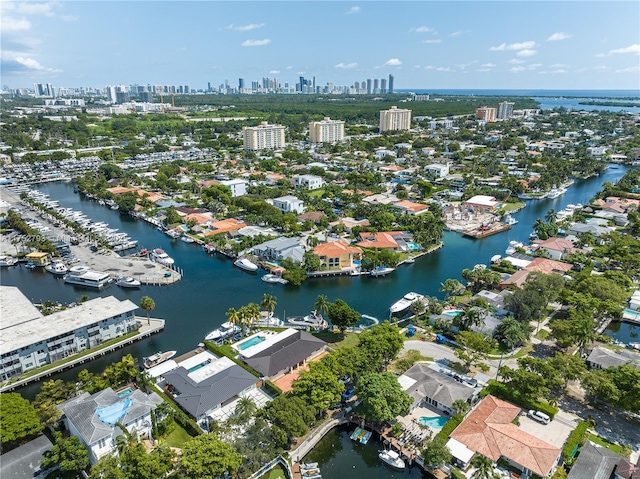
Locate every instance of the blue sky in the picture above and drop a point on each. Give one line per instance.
(424, 44)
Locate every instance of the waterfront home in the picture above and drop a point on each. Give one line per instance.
(548, 266)
(199, 218)
(309, 182)
(489, 430)
(482, 203)
(603, 358)
(39, 258)
(557, 248)
(427, 386)
(224, 226)
(411, 208)
(204, 384)
(598, 462)
(280, 248)
(337, 254)
(595, 229)
(283, 352)
(93, 418)
(151, 196)
(288, 204)
(31, 340)
(634, 301)
(392, 240)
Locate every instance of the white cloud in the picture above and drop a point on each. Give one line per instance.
(424, 29)
(289, 68)
(517, 69)
(528, 45)
(459, 33)
(488, 65)
(274, 72)
(439, 69)
(256, 43)
(353, 10)
(558, 36)
(635, 48)
(632, 69)
(18, 63)
(526, 53)
(516, 61)
(600, 55)
(432, 41)
(533, 66)
(245, 28)
(346, 65)
(10, 24)
(393, 62)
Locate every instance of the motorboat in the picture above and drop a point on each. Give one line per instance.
(510, 220)
(246, 264)
(57, 269)
(187, 239)
(312, 320)
(173, 233)
(496, 258)
(225, 330)
(635, 346)
(7, 261)
(209, 248)
(273, 279)
(513, 247)
(158, 358)
(382, 271)
(555, 193)
(405, 302)
(128, 282)
(83, 276)
(160, 256)
(391, 458)
(410, 260)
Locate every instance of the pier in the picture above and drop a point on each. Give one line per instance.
(145, 330)
(486, 230)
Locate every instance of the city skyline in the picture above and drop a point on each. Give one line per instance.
(438, 45)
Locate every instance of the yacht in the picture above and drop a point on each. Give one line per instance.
(510, 220)
(7, 261)
(245, 264)
(311, 320)
(158, 358)
(513, 246)
(128, 282)
(391, 458)
(404, 303)
(410, 260)
(273, 279)
(555, 193)
(224, 331)
(187, 239)
(382, 271)
(83, 276)
(57, 269)
(158, 255)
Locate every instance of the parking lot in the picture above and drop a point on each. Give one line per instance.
(554, 433)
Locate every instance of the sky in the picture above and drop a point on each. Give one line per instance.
(453, 44)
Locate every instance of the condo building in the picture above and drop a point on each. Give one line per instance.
(395, 119)
(263, 137)
(326, 131)
(487, 114)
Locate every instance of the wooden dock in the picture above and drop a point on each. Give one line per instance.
(487, 230)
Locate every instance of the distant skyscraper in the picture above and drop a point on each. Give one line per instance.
(375, 86)
(390, 83)
(383, 85)
(240, 84)
(505, 110)
(43, 90)
(209, 87)
(369, 87)
(326, 131)
(395, 119)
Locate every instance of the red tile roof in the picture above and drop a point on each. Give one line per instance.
(335, 249)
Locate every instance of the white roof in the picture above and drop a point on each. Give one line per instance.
(162, 368)
(517, 262)
(406, 382)
(482, 200)
(460, 451)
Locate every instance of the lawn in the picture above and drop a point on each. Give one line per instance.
(337, 340)
(177, 437)
(542, 334)
(604, 443)
(275, 473)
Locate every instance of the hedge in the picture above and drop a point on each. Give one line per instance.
(457, 474)
(272, 388)
(448, 428)
(575, 439)
(501, 391)
(181, 417)
(218, 351)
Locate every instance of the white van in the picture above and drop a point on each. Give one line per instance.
(539, 416)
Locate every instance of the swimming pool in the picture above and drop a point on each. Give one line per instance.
(453, 312)
(198, 366)
(125, 392)
(413, 246)
(436, 422)
(250, 342)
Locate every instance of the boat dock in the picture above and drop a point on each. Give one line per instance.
(146, 330)
(486, 230)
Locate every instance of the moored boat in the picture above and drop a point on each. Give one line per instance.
(382, 271)
(83, 276)
(273, 279)
(187, 239)
(58, 268)
(246, 264)
(225, 330)
(405, 302)
(391, 458)
(7, 261)
(158, 358)
(128, 282)
(160, 256)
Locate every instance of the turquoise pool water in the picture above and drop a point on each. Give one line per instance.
(251, 342)
(453, 312)
(413, 246)
(632, 313)
(184, 228)
(198, 366)
(437, 422)
(125, 392)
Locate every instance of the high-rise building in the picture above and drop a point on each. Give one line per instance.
(240, 84)
(326, 131)
(395, 119)
(390, 83)
(263, 137)
(505, 110)
(369, 87)
(486, 113)
(43, 90)
(375, 86)
(383, 85)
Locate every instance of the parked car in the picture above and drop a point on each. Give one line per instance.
(348, 393)
(539, 416)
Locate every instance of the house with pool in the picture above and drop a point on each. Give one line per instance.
(338, 255)
(93, 418)
(434, 389)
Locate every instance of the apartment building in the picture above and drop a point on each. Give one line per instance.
(487, 114)
(395, 119)
(263, 137)
(326, 131)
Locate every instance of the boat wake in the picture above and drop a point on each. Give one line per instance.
(373, 321)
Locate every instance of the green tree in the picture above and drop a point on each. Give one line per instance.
(382, 397)
(570, 367)
(437, 453)
(245, 409)
(108, 467)
(470, 317)
(342, 315)
(67, 453)
(451, 287)
(18, 418)
(268, 303)
(512, 332)
(381, 343)
(462, 406)
(474, 349)
(483, 467)
(148, 305)
(321, 305)
(318, 386)
(534, 378)
(208, 456)
(290, 413)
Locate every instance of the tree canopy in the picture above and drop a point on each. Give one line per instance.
(208, 456)
(18, 418)
(382, 397)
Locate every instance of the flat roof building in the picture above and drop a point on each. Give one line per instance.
(263, 137)
(326, 131)
(395, 119)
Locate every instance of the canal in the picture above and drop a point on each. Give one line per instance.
(211, 284)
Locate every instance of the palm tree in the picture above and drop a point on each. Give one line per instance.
(537, 225)
(245, 408)
(322, 304)
(461, 406)
(451, 287)
(268, 303)
(233, 316)
(252, 314)
(551, 216)
(148, 305)
(470, 317)
(484, 467)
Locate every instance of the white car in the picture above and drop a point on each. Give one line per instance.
(539, 416)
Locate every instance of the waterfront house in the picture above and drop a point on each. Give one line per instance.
(39, 258)
(489, 430)
(224, 226)
(280, 248)
(603, 358)
(548, 266)
(309, 182)
(288, 204)
(427, 386)
(482, 203)
(557, 248)
(337, 254)
(411, 208)
(392, 240)
(93, 418)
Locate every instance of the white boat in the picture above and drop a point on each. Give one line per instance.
(128, 282)
(224, 331)
(382, 271)
(83, 276)
(635, 346)
(555, 193)
(7, 261)
(209, 248)
(58, 268)
(158, 358)
(160, 256)
(273, 279)
(404, 303)
(410, 260)
(173, 233)
(496, 258)
(510, 220)
(311, 320)
(244, 263)
(391, 458)
(187, 239)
